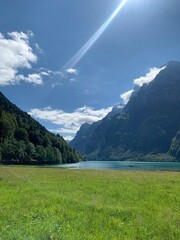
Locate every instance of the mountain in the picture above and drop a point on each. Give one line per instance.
(24, 141)
(148, 128)
(115, 110)
(85, 133)
(175, 146)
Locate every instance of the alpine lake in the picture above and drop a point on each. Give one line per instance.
(123, 165)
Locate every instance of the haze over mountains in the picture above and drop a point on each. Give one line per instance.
(147, 128)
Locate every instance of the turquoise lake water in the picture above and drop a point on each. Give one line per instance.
(119, 165)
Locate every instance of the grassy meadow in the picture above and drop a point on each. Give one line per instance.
(52, 203)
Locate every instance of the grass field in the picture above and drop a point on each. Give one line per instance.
(42, 203)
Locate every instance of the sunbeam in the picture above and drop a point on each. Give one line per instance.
(85, 48)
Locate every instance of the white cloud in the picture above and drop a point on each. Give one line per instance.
(69, 123)
(18, 36)
(38, 48)
(45, 74)
(150, 76)
(16, 54)
(34, 78)
(72, 71)
(70, 130)
(68, 138)
(126, 96)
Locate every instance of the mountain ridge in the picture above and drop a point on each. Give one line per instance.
(147, 125)
(86, 131)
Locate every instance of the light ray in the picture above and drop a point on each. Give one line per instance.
(77, 57)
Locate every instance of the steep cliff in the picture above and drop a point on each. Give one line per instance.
(147, 125)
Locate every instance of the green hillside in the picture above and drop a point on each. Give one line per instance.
(24, 141)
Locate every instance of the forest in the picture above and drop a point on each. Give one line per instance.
(24, 141)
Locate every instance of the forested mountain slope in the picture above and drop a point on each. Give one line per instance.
(24, 141)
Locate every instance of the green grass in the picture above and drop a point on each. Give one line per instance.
(42, 203)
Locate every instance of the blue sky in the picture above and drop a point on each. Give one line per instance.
(39, 37)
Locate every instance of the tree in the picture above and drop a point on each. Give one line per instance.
(40, 154)
(6, 129)
(0, 155)
(50, 155)
(21, 134)
(57, 156)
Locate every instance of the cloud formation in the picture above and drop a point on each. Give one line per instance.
(68, 138)
(72, 71)
(126, 96)
(16, 54)
(69, 123)
(149, 77)
(35, 78)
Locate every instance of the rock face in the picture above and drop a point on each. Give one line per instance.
(148, 126)
(24, 141)
(82, 140)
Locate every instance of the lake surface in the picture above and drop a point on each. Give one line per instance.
(119, 165)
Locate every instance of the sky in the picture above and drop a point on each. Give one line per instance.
(67, 62)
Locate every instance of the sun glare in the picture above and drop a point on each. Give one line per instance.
(85, 48)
